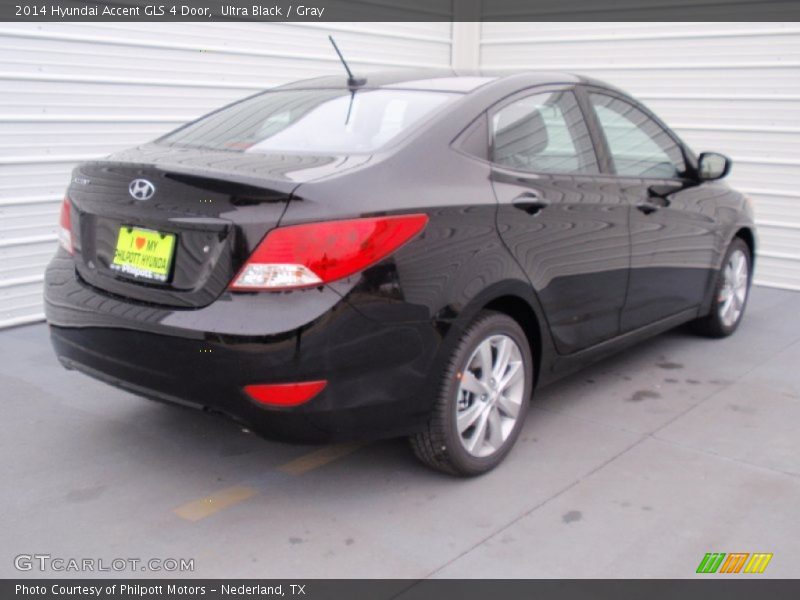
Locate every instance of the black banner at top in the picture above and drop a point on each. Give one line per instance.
(399, 10)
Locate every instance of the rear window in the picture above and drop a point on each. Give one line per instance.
(319, 121)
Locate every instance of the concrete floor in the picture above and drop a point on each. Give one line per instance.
(634, 468)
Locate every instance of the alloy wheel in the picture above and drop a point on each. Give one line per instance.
(732, 296)
(490, 395)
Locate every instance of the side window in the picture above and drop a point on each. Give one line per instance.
(543, 133)
(638, 145)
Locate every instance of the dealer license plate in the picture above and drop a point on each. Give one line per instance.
(144, 253)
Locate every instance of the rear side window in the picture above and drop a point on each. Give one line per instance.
(638, 145)
(318, 121)
(543, 133)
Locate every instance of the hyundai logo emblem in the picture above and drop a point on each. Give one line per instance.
(141, 189)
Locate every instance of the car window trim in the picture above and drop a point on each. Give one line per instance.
(597, 129)
(533, 91)
(458, 141)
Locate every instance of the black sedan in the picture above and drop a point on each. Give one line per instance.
(408, 255)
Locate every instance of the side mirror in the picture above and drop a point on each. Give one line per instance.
(712, 165)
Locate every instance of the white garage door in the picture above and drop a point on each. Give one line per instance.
(730, 87)
(76, 91)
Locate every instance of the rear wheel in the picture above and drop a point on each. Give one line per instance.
(730, 293)
(482, 400)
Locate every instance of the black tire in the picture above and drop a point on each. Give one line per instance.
(439, 445)
(713, 325)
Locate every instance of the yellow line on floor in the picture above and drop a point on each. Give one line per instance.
(205, 507)
(318, 458)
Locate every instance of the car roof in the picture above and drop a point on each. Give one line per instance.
(445, 80)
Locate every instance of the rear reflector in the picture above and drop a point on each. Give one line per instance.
(309, 255)
(285, 394)
(65, 227)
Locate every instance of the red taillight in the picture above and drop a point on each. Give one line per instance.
(65, 227)
(309, 255)
(285, 394)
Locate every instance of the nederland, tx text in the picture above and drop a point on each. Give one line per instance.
(144, 590)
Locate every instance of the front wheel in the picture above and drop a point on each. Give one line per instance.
(730, 292)
(482, 400)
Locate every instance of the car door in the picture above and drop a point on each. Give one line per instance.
(673, 232)
(560, 217)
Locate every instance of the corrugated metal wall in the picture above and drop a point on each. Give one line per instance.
(730, 87)
(75, 91)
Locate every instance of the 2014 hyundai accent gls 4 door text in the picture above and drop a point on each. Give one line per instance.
(404, 256)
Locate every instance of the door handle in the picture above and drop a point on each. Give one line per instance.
(658, 196)
(531, 203)
(647, 207)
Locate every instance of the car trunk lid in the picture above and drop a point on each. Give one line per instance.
(218, 206)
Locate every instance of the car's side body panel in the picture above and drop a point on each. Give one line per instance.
(673, 249)
(575, 251)
(672, 225)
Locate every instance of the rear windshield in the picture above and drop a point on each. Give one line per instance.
(320, 121)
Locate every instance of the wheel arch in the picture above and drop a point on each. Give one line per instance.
(522, 312)
(747, 235)
(517, 300)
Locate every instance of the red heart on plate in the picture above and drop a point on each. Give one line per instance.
(140, 241)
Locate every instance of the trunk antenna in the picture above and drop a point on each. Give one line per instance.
(352, 81)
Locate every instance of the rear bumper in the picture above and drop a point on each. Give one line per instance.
(377, 372)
